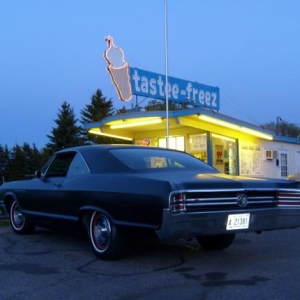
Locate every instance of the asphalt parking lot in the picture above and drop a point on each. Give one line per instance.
(55, 265)
(3, 218)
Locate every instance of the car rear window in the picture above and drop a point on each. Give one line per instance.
(147, 158)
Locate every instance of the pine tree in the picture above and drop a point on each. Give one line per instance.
(4, 163)
(22, 162)
(121, 110)
(32, 159)
(67, 133)
(97, 110)
(16, 164)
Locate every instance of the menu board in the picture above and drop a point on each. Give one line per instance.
(198, 146)
(250, 159)
(198, 142)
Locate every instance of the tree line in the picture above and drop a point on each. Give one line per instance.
(24, 160)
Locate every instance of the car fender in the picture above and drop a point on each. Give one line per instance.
(8, 197)
(85, 213)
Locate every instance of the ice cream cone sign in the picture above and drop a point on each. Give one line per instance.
(118, 69)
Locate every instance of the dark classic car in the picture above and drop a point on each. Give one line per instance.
(119, 192)
(295, 177)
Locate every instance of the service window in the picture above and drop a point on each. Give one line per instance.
(198, 146)
(176, 143)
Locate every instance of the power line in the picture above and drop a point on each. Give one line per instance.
(240, 109)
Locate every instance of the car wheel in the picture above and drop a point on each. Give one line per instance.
(106, 240)
(18, 221)
(216, 242)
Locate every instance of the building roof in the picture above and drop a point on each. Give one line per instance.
(126, 124)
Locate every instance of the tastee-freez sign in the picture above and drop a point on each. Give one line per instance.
(153, 85)
(133, 81)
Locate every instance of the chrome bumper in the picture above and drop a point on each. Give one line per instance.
(185, 225)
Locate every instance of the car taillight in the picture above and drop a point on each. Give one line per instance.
(288, 198)
(178, 203)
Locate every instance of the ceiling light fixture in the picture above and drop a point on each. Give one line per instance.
(93, 131)
(134, 124)
(236, 127)
(218, 122)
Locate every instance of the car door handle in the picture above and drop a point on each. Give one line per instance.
(57, 184)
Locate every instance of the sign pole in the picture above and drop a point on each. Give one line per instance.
(166, 70)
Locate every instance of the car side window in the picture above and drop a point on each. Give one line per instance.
(60, 165)
(78, 166)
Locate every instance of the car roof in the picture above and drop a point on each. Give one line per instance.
(104, 147)
(99, 158)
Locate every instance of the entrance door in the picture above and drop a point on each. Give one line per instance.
(283, 164)
(224, 154)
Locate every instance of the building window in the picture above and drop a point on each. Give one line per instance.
(175, 142)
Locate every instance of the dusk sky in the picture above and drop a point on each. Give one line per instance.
(51, 51)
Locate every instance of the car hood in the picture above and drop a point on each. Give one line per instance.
(194, 180)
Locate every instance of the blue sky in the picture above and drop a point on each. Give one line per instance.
(51, 51)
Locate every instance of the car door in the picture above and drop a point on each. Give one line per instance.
(47, 196)
(71, 188)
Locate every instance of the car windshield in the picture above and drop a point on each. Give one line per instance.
(147, 158)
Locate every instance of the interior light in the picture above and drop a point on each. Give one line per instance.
(133, 124)
(93, 131)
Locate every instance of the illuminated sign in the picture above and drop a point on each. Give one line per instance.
(153, 85)
(118, 69)
(133, 81)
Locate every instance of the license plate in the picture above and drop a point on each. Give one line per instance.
(240, 221)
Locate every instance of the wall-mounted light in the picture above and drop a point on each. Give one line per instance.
(98, 132)
(134, 124)
(236, 127)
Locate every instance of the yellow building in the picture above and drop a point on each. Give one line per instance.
(230, 145)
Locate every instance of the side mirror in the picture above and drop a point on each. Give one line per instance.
(38, 174)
